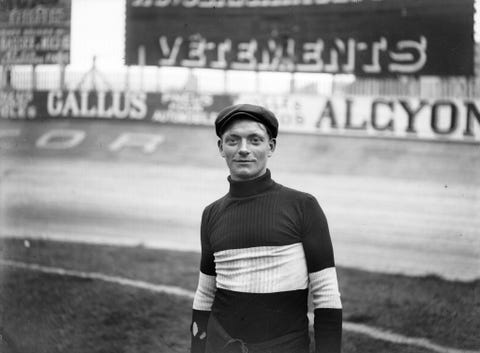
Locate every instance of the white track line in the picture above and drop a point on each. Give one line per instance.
(180, 292)
(400, 339)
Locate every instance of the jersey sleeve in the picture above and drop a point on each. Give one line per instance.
(205, 293)
(322, 276)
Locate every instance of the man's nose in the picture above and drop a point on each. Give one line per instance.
(243, 150)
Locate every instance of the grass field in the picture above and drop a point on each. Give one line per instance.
(42, 312)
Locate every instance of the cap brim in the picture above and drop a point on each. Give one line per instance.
(237, 116)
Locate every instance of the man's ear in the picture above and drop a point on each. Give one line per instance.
(272, 143)
(220, 147)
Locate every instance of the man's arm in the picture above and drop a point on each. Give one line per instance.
(323, 279)
(203, 300)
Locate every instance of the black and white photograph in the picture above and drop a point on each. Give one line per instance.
(239, 176)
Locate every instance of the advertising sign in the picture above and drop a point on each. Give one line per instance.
(387, 117)
(374, 38)
(35, 32)
(175, 107)
(399, 117)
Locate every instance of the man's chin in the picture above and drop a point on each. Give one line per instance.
(244, 174)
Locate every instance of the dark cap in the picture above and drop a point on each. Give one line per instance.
(246, 111)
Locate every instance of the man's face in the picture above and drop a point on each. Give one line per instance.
(246, 147)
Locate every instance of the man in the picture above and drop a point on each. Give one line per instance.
(263, 245)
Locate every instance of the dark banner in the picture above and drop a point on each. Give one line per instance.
(373, 38)
(34, 32)
(180, 108)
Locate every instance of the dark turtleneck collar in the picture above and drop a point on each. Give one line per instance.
(252, 187)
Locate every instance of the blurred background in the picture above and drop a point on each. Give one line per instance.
(107, 110)
(379, 119)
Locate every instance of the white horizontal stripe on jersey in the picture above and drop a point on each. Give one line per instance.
(205, 293)
(324, 288)
(262, 269)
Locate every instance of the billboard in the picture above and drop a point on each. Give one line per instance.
(366, 116)
(34, 32)
(371, 38)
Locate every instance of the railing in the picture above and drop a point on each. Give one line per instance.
(161, 79)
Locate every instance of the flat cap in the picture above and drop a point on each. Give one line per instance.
(246, 111)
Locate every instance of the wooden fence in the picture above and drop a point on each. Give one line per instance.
(156, 79)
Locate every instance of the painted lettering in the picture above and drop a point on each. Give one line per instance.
(412, 113)
(444, 111)
(348, 117)
(237, 3)
(196, 52)
(282, 53)
(103, 111)
(147, 142)
(171, 52)
(271, 56)
(376, 104)
(60, 139)
(472, 112)
(377, 47)
(71, 106)
(54, 103)
(327, 113)
(138, 105)
(16, 105)
(119, 100)
(406, 62)
(222, 49)
(84, 108)
(246, 56)
(312, 57)
(89, 104)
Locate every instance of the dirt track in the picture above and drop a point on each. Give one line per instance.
(393, 206)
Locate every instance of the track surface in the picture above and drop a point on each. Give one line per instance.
(393, 206)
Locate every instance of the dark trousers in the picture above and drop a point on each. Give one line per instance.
(219, 341)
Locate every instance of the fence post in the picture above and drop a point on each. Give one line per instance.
(6, 77)
(225, 82)
(141, 63)
(127, 78)
(292, 83)
(34, 77)
(62, 77)
(159, 79)
(257, 81)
